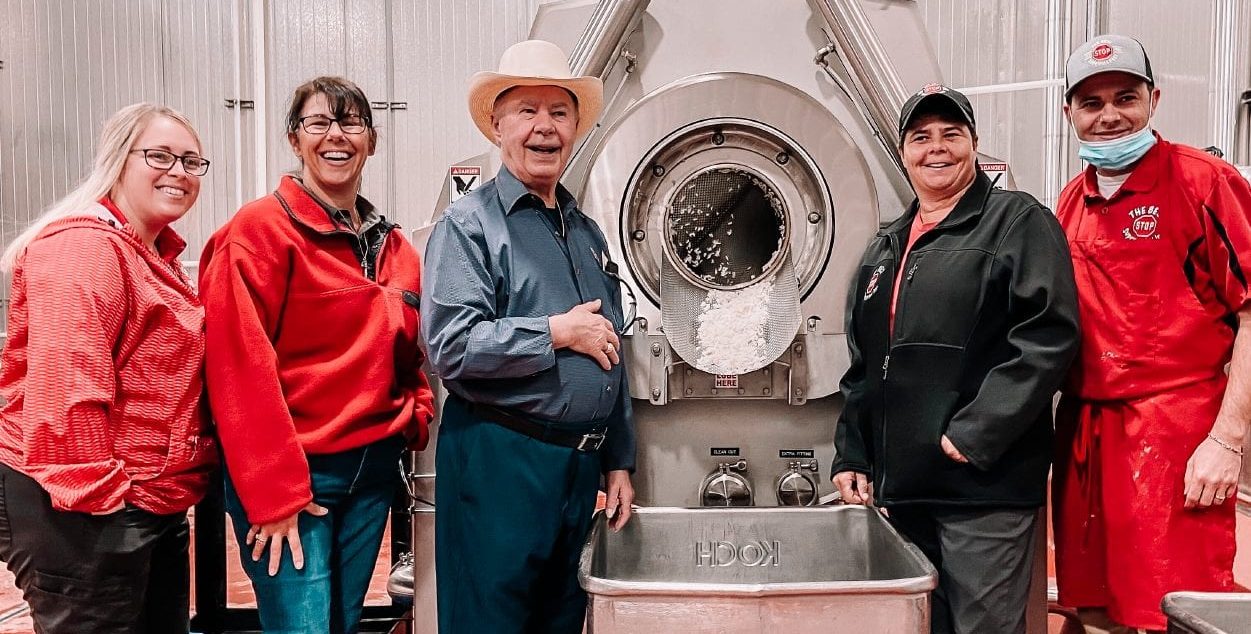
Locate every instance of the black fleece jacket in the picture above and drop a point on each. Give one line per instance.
(985, 329)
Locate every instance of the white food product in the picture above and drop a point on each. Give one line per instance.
(730, 329)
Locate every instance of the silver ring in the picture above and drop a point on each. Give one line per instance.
(262, 538)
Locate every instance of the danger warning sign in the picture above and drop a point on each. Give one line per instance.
(461, 180)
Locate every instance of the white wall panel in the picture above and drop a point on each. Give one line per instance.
(303, 39)
(438, 45)
(69, 64)
(199, 72)
(981, 42)
(1178, 38)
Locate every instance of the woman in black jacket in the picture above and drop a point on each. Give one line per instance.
(964, 323)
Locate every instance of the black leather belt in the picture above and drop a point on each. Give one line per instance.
(587, 443)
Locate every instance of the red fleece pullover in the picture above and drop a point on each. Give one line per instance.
(306, 355)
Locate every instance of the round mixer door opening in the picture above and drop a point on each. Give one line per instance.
(726, 228)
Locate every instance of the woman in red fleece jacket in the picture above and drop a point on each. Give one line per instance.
(313, 368)
(103, 445)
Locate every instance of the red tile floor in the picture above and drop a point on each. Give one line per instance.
(13, 619)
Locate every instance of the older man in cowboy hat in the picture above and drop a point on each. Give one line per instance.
(522, 320)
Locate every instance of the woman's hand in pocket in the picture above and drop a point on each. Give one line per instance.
(951, 450)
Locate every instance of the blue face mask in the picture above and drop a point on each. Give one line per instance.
(1117, 154)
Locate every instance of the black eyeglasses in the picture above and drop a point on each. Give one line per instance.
(320, 123)
(162, 160)
(610, 269)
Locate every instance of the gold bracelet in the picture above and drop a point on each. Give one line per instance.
(1237, 450)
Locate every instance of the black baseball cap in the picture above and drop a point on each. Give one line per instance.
(950, 100)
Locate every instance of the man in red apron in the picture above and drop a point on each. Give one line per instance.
(1152, 421)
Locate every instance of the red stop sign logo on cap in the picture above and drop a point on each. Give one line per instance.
(1102, 52)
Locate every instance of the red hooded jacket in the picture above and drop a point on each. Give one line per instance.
(102, 372)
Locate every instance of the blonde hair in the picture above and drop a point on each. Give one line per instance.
(116, 142)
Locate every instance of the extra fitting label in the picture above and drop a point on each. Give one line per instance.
(796, 453)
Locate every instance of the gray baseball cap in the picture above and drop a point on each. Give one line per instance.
(1106, 54)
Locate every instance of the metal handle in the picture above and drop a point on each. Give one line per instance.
(410, 478)
(1242, 130)
(740, 465)
(809, 464)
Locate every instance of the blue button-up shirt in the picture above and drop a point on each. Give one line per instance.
(496, 269)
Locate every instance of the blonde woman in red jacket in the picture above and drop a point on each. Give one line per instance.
(103, 446)
(313, 368)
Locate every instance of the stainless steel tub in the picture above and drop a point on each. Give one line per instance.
(824, 569)
(1208, 612)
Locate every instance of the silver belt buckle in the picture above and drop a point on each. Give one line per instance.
(590, 442)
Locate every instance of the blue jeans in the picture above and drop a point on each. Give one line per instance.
(340, 548)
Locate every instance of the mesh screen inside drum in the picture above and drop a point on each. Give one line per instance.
(726, 226)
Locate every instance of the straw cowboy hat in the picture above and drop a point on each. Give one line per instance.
(533, 63)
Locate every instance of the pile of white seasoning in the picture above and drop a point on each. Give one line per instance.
(730, 329)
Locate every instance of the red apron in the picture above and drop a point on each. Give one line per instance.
(1123, 539)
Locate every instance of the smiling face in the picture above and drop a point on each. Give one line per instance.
(153, 198)
(1111, 105)
(534, 127)
(939, 155)
(332, 162)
